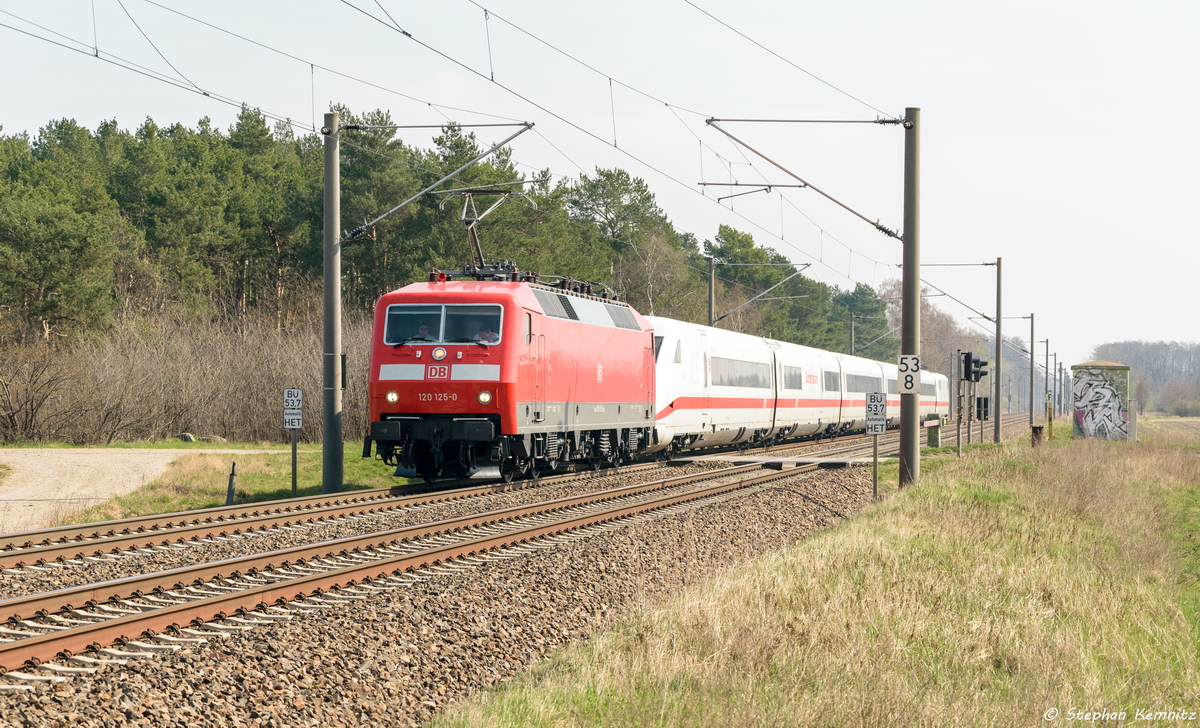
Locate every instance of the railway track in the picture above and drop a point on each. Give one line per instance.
(45, 636)
(79, 544)
(95, 624)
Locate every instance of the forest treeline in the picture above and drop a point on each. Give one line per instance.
(1164, 375)
(226, 226)
(178, 241)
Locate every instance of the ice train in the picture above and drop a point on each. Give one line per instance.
(519, 375)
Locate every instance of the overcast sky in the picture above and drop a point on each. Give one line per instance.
(1060, 136)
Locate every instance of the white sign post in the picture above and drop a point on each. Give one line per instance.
(876, 426)
(293, 420)
(909, 366)
(876, 413)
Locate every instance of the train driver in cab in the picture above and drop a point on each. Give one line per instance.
(423, 332)
(486, 335)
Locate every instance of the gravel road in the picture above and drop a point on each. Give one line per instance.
(44, 486)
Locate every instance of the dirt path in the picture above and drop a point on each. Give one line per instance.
(47, 485)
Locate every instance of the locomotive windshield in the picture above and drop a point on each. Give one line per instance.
(436, 324)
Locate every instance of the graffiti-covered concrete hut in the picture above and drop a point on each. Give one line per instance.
(1101, 395)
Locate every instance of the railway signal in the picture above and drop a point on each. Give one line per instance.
(978, 370)
(972, 367)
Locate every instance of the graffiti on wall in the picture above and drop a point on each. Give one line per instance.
(1101, 403)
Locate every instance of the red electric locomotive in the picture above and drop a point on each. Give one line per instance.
(501, 371)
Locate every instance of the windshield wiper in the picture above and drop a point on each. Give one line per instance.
(411, 338)
(466, 341)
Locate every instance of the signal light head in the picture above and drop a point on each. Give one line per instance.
(972, 367)
(977, 366)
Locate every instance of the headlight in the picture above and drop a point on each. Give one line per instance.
(485, 397)
(439, 353)
(393, 397)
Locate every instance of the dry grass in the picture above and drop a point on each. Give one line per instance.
(201, 480)
(1010, 582)
(1164, 430)
(153, 378)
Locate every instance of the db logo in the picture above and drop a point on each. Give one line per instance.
(437, 371)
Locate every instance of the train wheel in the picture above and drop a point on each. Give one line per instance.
(535, 471)
(508, 468)
(595, 463)
(425, 465)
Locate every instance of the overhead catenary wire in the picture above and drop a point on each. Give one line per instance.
(785, 60)
(564, 154)
(588, 66)
(134, 67)
(385, 12)
(826, 195)
(395, 26)
(95, 33)
(952, 298)
(597, 137)
(782, 198)
(128, 65)
(515, 93)
(125, 64)
(155, 75)
(673, 109)
(158, 76)
(884, 335)
(152, 45)
(815, 121)
(362, 228)
(360, 127)
(326, 68)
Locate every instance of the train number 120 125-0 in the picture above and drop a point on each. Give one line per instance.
(437, 397)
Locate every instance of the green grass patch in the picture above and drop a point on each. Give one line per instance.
(1185, 509)
(953, 449)
(1006, 583)
(201, 480)
(170, 444)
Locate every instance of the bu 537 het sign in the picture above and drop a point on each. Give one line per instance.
(293, 402)
(876, 413)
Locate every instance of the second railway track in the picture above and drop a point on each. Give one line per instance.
(425, 623)
(85, 621)
(55, 547)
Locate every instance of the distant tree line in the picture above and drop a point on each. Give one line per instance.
(1164, 375)
(109, 236)
(228, 225)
